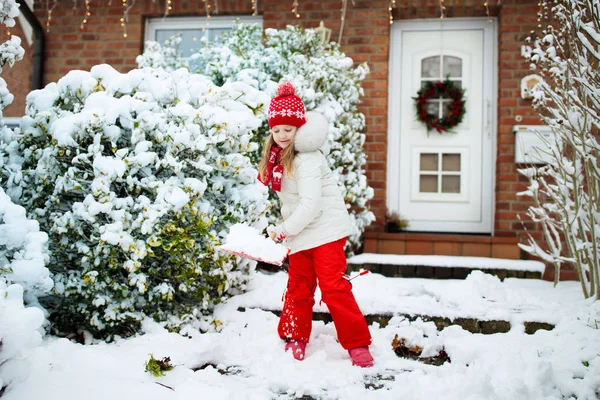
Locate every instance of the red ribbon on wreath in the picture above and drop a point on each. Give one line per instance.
(434, 90)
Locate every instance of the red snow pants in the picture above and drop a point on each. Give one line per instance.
(327, 265)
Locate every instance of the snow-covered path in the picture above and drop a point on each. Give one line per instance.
(547, 365)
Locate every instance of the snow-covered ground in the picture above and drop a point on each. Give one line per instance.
(553, 364)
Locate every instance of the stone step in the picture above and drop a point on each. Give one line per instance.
(472, 325)
(444, 267)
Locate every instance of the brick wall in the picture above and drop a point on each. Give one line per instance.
(18, 78)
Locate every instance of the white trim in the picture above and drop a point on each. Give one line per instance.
(199, 22)
(490, 101)
(12, 121)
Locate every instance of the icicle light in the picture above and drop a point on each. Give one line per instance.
(487, 10)
(207, 9)
(216, 7)
(391, 6)
(168, 8)
(254, 5)
(295, 8)
(442, 9)
(342, 19)
(125, 18)
(49, 13)
(86, 16)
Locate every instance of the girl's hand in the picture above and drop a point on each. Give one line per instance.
(277, 233)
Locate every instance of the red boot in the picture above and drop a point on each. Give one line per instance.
(297, 348)
(361, 357)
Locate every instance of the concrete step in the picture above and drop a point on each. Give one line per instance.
(444, 267)
(473, 325)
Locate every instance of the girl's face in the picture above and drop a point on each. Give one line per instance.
(284, 135)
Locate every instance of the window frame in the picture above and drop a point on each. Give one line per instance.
(196, 22)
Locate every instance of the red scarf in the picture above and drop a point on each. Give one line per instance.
(274, 171)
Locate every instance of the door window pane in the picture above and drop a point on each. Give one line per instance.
(429, 162)
(451, 184)
(430, 67)
(452, 66)
(450, 162)
(428, 184)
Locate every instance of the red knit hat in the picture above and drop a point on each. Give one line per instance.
(286, 108)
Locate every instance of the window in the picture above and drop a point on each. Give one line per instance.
(440, 68)
(193, 29)
(440, 172)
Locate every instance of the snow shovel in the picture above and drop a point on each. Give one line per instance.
(245, 241)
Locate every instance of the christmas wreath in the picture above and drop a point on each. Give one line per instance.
(434, 90)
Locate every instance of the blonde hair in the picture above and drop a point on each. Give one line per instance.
(287, 157)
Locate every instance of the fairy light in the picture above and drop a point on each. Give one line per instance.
(49, 14)
(253, 8)
(390, 8)
(87, 15)
(342, 19)
(125, 18)
(168, 7)
(207, 9)
(540, 12)
(295, 8)
(216, 7)
(442, 9)
(74, 4)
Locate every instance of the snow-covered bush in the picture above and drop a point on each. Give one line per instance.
(20, 331)
(23, 277)
(566, 190)
(136, 178)
(23, 251)
(325, 78)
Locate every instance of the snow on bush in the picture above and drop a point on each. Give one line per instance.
(10, 51)
(136, 178)
(325, 78)
(23, 277)
(23, 251)
(20, 331)
(566, 191)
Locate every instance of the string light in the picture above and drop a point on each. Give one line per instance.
(295, 8)
(342, 19)
(253, 7)
(168, 8)
(216, 6)
(207, 9)
(74, 4)
(49, 13)
(540, 13)
(390, 7)
(125, 17)
(442, 9)
(87, 14)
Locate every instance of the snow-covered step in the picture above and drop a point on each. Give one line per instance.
(482, 303)
(473, 325)
(444, 267)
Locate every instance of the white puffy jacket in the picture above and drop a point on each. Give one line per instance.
(312, 205)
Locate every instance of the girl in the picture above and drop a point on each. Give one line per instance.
(316, 224)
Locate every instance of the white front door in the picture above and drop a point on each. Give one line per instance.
(442, 182)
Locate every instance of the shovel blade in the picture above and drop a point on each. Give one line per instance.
(254, 257)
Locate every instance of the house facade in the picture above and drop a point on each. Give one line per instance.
(457, 189)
